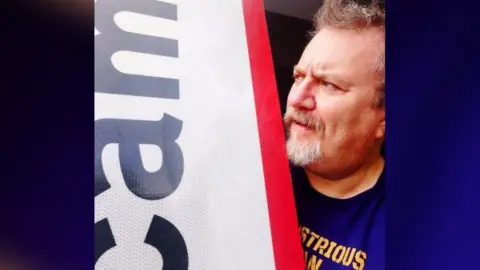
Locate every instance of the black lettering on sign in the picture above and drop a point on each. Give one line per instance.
(104, 239)
(129, 134)
(113, 39)
(163, 236)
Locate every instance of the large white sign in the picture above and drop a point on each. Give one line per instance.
(179, 178)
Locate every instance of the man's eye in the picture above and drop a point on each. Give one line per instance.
(297, 78)
(330, 86)
(327, 84)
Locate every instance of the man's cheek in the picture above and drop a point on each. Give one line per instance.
(338, 116)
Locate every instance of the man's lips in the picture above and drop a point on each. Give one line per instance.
(303, 126)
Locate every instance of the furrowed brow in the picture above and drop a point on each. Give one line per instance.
(298, 70)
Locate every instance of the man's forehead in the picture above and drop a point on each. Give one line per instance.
(337, 47)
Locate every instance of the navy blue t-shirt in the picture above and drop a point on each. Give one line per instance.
(341, 234)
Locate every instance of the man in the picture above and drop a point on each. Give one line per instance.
(335, 123)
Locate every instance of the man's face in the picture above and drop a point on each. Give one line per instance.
(332, 124)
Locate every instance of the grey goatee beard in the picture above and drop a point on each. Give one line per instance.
(302, 153)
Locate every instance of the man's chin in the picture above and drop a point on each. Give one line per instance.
(301, 162)
(302, 153)
(303, 137)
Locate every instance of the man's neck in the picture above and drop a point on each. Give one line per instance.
(362, 180)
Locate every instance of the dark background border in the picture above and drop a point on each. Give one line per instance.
(47, 133)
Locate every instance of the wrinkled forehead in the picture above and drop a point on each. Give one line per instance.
(352, 51)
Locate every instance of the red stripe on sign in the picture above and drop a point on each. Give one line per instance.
(281, 205)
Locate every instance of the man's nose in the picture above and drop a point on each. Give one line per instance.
(302, 95)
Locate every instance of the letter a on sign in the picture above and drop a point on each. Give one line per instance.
(190, 163)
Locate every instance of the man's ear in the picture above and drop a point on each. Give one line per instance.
(380, 131)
